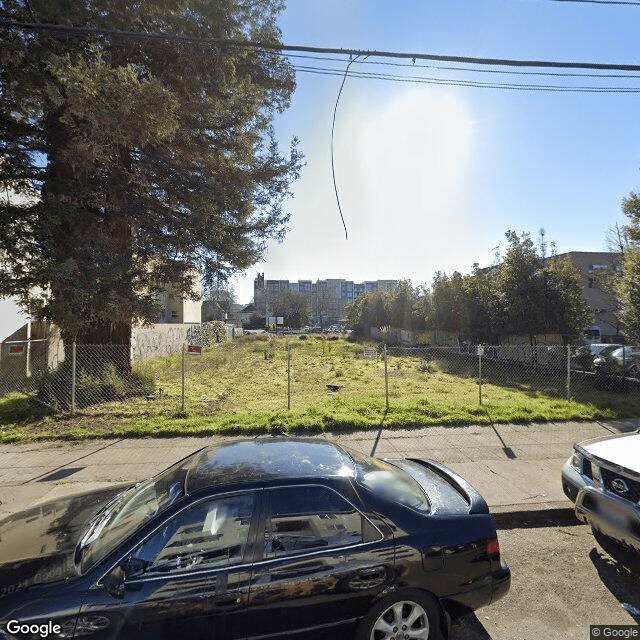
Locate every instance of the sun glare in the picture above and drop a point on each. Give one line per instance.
(413, 156)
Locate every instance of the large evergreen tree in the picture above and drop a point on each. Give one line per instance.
(150, 158)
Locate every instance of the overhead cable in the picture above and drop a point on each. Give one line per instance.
(274, 46)
(618, 2)
(411, 65)
(467, 83)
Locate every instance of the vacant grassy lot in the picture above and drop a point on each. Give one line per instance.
(242, 386)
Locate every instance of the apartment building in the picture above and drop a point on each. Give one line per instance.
(328, 298)
(594, 267)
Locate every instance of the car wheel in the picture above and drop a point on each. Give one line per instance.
(407, 614)
(634, 371)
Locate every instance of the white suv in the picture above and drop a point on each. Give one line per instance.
(602, 479)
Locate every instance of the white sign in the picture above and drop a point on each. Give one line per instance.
(480, 350)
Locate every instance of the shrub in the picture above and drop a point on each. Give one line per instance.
(207, 333)
(94, 387)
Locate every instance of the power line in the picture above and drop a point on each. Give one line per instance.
(408, 65)
(469, 83)
(267, 46)
(618, 2)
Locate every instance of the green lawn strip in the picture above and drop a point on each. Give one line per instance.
(339, 415)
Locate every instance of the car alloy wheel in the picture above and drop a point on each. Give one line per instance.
(407, 616)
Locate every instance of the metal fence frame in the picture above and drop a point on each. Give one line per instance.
(66, 382)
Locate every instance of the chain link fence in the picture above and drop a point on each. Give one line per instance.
(333, 380)
(71, 378)
(22, 365)
(569, 372)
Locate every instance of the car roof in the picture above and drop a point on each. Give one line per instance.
(597, 347)
(266, 461)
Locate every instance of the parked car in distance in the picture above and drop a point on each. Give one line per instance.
(582, 357)
(622, 360)
(596, 348)
(262, 538)
(602, 479)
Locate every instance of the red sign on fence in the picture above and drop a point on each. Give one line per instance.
(16, 349)
(194, 350)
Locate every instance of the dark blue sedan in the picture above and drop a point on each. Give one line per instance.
(255, 539)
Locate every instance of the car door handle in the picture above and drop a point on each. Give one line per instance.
(368, 578)
(372, 573)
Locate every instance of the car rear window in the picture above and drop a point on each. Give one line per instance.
(391, 483)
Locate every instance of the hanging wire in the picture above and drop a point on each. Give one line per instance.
(333, 128)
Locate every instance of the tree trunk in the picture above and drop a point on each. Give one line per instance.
(102, 344)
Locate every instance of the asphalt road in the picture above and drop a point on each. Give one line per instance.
(562, 582)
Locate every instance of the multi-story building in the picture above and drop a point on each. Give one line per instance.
(176, 309)
(327, 298)
(594, 268)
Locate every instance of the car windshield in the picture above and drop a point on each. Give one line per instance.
(627, 352)
(128, 512)
(389, 482)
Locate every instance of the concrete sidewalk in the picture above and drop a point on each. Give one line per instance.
(515, 467)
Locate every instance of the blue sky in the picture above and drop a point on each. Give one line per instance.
(430, 177)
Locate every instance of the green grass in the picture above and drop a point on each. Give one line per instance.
(241, 387)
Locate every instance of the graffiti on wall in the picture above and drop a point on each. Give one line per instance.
(164, 339)
(157, 340)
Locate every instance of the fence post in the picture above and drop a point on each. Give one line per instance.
(73, 378)
(289, 377)
(28, 369)
(480, 352)
(386, 378)
(183, 351)
(568, 372)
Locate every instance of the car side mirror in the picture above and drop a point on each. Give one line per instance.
(113, 582)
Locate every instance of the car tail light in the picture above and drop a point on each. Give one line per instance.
(494, 547)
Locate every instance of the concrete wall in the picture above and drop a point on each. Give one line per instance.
(146, 343)
(157, 340)
(160, 340)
